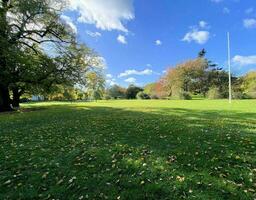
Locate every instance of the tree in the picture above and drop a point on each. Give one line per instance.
(24, 27)
(201, 53)
(67, 68)
(214, 93)
(219, 80)
(95, 85)
(195, 76)
(116, 92)
(161, 90)
(132, 91)
(249, 84)
(184, 78)
(70, 94)
(25, 65)
(142, 95)
(150, 89)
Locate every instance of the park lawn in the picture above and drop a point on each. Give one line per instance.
(153, 149)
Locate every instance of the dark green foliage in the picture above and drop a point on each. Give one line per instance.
(132, 91)
(202, 53)
(25, 65)
(185, 96)
(142, 95)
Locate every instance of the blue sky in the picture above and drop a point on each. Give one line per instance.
(139, 39)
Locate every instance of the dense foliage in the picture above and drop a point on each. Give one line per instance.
(132, 91)
(201, 77)
(116, 92)
(142, 95)
(27, 30)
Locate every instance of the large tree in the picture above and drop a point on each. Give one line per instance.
(24, 26)
(193, 76)
(249, 84)
(27, 29)
(95, 84)
(188, 76)
(116, 92)
(150, 89)
(132, 91)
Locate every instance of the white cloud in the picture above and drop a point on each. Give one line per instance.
(200, 37)
(244, 60)
(226, 10)
(109, 76)
(130, 80)
(148, 65)
(111, 82)
(121, 39)
(250, 23)
(158, 42)
(104, 14)
(93, 34)
(135, 72)
(203, 24)
(69, 22)
(249, 11)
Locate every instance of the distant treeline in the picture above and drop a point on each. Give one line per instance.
(198, 77)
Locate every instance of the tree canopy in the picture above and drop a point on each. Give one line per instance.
(27, 30)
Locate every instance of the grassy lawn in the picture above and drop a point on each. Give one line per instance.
(129, 150)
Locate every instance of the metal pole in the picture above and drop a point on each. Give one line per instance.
(229, 69)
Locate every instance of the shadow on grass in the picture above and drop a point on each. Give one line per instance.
(71, 152)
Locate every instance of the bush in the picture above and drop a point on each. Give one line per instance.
(142, 95)
(251, 94)
(132, 91)
(154, 97)
(107, 97)
(24, 100)
(185, 96)
(238, 95)
(213, 93)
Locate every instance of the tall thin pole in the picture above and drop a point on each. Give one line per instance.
(229, 70)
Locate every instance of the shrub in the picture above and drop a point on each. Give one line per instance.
(132, 91)
(154, 97)
(185, 96)
(238, 95)
(107, 97)
(213, 93)
(24, 100)
(116, 92)
(251, 94)
(142, 95)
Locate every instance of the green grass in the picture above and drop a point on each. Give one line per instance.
(155, 149)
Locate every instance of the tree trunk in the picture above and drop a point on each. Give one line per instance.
(16, 98)
(5, 103)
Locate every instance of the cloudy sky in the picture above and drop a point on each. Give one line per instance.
(139, 39)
